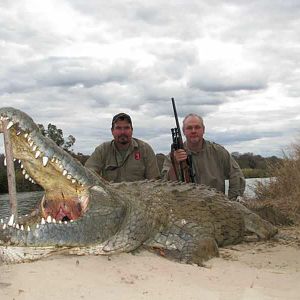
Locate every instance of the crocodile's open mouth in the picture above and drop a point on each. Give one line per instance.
(61, 176)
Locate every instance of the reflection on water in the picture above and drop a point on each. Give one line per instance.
(27, 201)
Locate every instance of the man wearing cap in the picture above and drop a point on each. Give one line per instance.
(124, 158)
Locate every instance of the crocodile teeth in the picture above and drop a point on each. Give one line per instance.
(28, 228)
(34, 147)
(22, 228)
(43, 221)
(4, 161)
(26, 176)
(73, 180)
(31, 143)
(11, 123)
(65, 172)
(1, 221)
(11, 220)
(37, 226)
(19, 132)
(23, 172)
(37, 154)
(45, 161)
(49, 219)
(26, 135)
(4, 226)
(17, 226)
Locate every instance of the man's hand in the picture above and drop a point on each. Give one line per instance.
(180, 155)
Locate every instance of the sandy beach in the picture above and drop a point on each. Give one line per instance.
(252, 270)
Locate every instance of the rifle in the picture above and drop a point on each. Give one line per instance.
(185, 167)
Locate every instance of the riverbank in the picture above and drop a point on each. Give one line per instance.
(256, 270)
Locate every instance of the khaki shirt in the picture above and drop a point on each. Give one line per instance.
(138, 163)
(212, 165)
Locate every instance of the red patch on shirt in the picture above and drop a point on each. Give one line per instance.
(137, 155)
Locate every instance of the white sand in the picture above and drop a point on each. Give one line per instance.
(262, 270)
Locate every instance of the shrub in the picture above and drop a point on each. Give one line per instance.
(283, 189)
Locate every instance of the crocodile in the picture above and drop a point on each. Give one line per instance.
(80, 213)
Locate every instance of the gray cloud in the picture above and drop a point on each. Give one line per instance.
(78, 63)
(64, 72)
(215, 79)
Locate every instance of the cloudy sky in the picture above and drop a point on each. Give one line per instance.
(76, 63)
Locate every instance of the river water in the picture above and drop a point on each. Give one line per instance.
(250, 185)
(27, 201)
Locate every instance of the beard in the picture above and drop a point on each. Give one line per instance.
(123, 139)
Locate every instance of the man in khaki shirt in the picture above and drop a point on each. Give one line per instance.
(211, 162)
(124, 158)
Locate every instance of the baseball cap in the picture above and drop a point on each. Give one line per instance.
(121, 116)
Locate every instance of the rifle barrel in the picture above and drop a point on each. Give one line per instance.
(176, 116)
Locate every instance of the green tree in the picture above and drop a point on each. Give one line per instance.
(3, 181)
(56, 134)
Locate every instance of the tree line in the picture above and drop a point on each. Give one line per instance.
(253, 166)
(256, 166)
